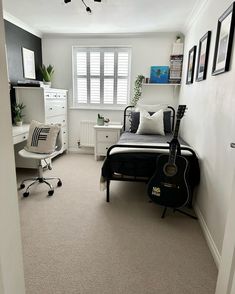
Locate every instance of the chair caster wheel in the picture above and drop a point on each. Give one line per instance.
(59, 184)
(26, 194)
(22, 186)
(50, 192)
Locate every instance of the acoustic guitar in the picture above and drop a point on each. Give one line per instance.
(168, 186)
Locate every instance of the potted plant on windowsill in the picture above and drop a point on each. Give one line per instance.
(18, 113)
(47, 73)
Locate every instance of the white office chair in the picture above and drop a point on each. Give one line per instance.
(39, 157)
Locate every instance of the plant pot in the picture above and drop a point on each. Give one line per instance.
(47, 84)
(100, 121)
(19, 123)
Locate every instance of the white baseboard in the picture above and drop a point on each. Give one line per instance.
(214, 251)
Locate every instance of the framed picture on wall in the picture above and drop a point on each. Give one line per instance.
(28, 64)
(224, 41)
(203, 55)
(191, 65)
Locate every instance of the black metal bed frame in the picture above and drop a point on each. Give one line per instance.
(137, 178)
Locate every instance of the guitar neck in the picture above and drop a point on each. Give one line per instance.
(177, 127)
(174, 143)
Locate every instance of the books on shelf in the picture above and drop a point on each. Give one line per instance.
(176, 64)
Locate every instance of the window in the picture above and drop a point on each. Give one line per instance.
(101, 76)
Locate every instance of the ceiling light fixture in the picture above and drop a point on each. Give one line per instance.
(88, 9)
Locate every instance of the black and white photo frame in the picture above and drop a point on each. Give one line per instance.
(224, 41)
(191, 65)
(203, 56)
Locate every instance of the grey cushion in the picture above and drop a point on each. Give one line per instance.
(135, 120)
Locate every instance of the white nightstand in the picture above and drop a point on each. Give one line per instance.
(105, 136)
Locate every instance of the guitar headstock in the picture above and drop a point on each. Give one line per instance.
(181, 111)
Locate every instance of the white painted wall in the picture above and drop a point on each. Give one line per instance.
(11, 266)
(207, 127)
(146, 51)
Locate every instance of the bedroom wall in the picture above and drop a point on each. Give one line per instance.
(146, 51)
(207, 127)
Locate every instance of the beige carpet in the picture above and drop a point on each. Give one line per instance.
(76, 243)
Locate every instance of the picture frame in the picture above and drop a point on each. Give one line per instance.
(191, 65)
(203, 56)
(224, 41)
(28, 64)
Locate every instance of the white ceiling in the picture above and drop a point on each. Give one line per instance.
(109, 16)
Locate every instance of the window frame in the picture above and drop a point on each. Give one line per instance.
(116, 49)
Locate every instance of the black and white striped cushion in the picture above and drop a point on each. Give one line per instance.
(42, 137)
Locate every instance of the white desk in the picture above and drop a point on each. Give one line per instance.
(20, 134)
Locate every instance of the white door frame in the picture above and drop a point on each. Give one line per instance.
(11, 264)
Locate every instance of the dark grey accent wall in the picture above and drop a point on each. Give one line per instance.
(16, 38)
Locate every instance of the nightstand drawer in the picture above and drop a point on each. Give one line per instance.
(107, 136)
(102, 148)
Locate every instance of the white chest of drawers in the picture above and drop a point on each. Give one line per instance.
(105, 136)
(46, 106)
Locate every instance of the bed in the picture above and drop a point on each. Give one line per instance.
(134, 157)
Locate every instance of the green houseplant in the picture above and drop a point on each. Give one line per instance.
(137, 89)
(18, 113)
(47, 73)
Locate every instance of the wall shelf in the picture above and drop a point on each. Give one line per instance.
(158, 84)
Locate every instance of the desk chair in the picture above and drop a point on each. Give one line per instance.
(39, 157)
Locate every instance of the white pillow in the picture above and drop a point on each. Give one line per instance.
(150, 107)
(151, 124)
(42, 137)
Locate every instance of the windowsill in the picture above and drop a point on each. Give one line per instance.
(97, 108)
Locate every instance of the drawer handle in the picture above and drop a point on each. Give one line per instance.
(24, 137)
(50, 108)
(107, 136)
(107, 148)
(63, 120)
(64, 132)
(63, 107)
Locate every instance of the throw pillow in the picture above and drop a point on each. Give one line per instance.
(135, 120)
(151, 124)
(150, 107)
(42, 137)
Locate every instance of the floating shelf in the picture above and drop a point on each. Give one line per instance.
(158, 84)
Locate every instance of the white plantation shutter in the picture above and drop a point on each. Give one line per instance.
(101, 76)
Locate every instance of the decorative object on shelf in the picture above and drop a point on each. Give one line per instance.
(137, 89)
(47, 73)
(100, 120)
(176, 64)
(159, 74)
(178, 46)
(18, 113)
(88, 9)
(178, 39)
(146, 80)
(203, 55)
(106, 121)
(191, 65)
(224, 41)
(28, 64)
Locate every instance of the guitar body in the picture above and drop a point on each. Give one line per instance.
(168, 186)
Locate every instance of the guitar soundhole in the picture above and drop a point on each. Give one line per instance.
(170, 170)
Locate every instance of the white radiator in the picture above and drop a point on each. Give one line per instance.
(87, 133)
